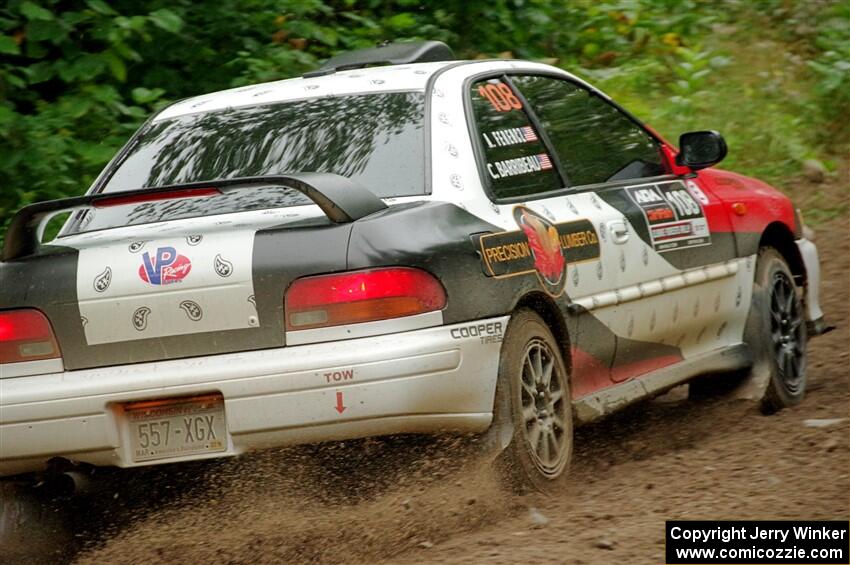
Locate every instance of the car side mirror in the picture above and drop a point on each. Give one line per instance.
(701, 149)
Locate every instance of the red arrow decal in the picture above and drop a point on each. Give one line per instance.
(339, 406)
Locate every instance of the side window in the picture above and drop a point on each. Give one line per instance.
(515, 157)
(595, 142)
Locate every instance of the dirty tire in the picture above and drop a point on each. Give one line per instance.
(533, 398)
(32, 525)
(776, 331)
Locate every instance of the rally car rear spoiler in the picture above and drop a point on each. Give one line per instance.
(341, 199)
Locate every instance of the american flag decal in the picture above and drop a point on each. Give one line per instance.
(544, 161)
(528, 134)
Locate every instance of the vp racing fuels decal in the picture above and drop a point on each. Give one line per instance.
(165, 266)
(674, 218)
(174, 286)
(539, 247)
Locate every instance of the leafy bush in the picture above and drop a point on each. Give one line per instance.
(68, 93)
(832, 67)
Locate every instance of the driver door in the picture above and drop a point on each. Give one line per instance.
(657, 238)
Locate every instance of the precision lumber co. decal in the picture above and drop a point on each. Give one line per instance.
(539, 247)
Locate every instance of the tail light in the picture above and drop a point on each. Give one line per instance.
(26, 335)
(361, 296)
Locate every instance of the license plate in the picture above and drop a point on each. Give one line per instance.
(176, 427)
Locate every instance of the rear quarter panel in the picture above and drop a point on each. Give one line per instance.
(435, 236)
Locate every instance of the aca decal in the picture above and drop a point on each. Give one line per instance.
(539, 247)
(674, 218)
(166, 266)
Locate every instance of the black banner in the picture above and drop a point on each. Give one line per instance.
(757, 542)
(509, 253)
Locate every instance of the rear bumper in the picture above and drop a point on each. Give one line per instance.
(430, 380)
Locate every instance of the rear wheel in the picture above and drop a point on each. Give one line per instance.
(533, 394)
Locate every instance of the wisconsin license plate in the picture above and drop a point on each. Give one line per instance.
(176, 427)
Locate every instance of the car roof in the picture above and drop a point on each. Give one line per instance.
(392, 78)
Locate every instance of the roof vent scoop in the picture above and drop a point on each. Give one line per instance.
(386, 54)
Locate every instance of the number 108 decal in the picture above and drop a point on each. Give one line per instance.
(500, 96)
(674, 218)
(684, 203)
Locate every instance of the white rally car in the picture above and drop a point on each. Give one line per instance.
(397, 242)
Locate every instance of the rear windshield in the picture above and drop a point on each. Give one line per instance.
(374, 139)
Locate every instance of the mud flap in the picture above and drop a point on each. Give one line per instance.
(754, 386)
(501, 432)
(811, 292)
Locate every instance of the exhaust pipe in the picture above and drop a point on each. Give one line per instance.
(64, 478)
(74, 482)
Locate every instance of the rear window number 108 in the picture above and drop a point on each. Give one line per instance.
(500, 96)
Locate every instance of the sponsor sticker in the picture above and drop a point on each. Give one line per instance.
(674, 217)
(539, 247)
(697, 192)
(165, 266)
(186, 284)
(489, 332)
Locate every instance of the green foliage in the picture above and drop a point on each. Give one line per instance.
(771, 76)
(65, 102)
(832, 67)
(78, 77)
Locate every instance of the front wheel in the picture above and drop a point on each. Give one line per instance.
(533, 394)
(776, 334)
